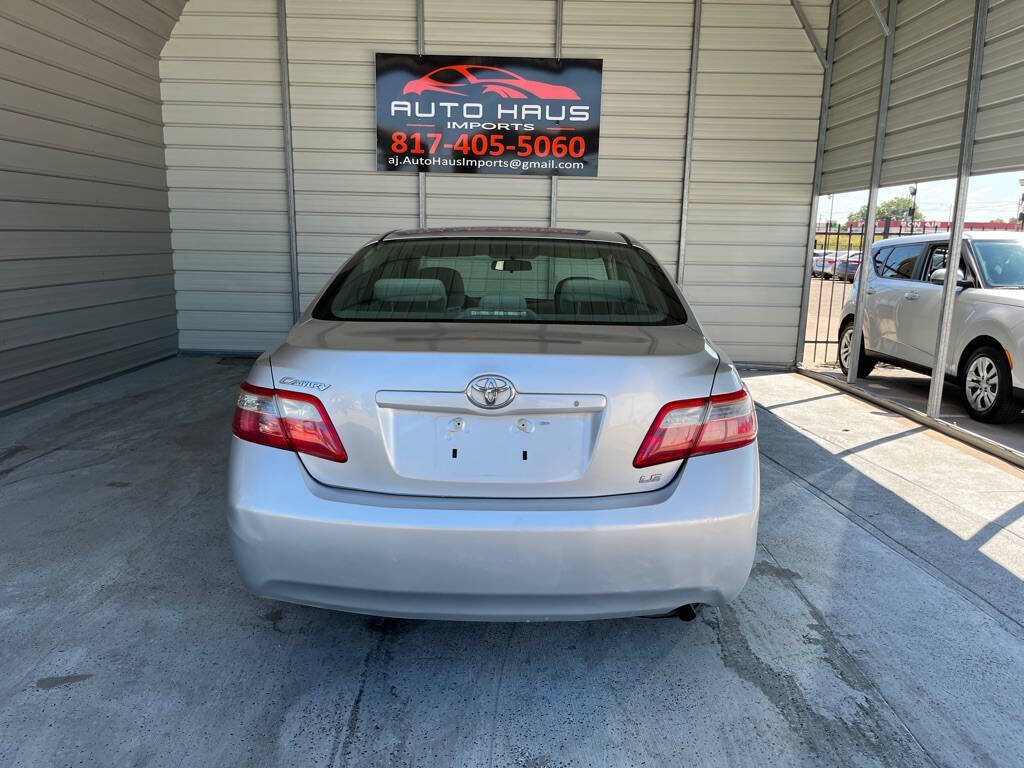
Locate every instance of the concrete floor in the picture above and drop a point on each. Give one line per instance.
(911, 389)
(882, 624)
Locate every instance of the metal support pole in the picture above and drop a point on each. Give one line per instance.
(691, 105)
(812, 226)
(559, 11)
(809, 31)
(868, 235)
(289, 160)
(421, 177)
(956, 229)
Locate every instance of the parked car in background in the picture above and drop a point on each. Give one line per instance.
(902, 306)
(818, 263)
(496, 424)
(841, 265)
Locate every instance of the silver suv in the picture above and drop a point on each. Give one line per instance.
(902, 306)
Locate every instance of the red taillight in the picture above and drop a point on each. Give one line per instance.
(294, 421)
(687, 428)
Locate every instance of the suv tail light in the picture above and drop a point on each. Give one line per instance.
(294, 421)
(687, 428)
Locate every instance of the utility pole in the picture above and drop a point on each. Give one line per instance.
(1020, 208)
(913, 206)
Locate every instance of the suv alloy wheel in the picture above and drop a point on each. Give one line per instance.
(865, 364)
(987, 386)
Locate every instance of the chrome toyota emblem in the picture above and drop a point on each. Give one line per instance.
(490, 391)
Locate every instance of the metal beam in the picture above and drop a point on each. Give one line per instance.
(826, 91)
(559, 22)
(691, 105)
(421, 177)
(868, 236)
(809, 31)
(881, 21)
(289, 161)
(559, 16)
(956, 230)
(421, 34)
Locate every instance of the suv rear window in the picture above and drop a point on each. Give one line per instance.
(899, 262)
(509, 280)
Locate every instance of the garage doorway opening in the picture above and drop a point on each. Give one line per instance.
(995, 204)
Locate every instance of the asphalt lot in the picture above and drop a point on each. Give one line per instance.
(824, 311)
(882, 624)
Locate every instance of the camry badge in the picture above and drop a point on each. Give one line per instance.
(291, 381)
(490, 391)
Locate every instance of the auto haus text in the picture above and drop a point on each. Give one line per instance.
(470, 115)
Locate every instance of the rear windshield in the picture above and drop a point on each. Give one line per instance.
(507, 280)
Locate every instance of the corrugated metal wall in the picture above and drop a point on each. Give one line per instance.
(853, 101)
(646, 52)
(225, 173)
(1000, 141)
(929, 76)
(759, 87)
(758, 98)
(85, 272)
(471, 26)
(85, 255)
(929, 82)
(341, 201)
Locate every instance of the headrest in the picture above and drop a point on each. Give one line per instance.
(596, 291)
(412, 289)
(450, 279)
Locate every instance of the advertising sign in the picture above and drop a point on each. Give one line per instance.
(487, 114)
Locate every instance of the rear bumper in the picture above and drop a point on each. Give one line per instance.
(493, 559)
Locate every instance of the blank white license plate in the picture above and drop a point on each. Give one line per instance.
(543, 448)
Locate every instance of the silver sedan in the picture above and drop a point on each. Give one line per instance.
(496, 425)
(841, 265)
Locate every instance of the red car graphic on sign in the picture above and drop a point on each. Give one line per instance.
(463, 79)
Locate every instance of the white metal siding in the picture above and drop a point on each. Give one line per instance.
(85, 265)
(999, 145)
(853, 101)
(493, 27)
(929, 80)
(757, 107)
(929, 76)
(758, 98)
(225, 173)
(646, 51)
(341, 200)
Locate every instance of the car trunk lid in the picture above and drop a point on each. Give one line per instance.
(400, 396)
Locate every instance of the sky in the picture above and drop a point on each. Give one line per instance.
(991, 196)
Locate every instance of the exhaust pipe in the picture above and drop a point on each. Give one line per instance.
(686, 612)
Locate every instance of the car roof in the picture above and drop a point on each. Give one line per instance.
(939, 237)
(554, 233)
